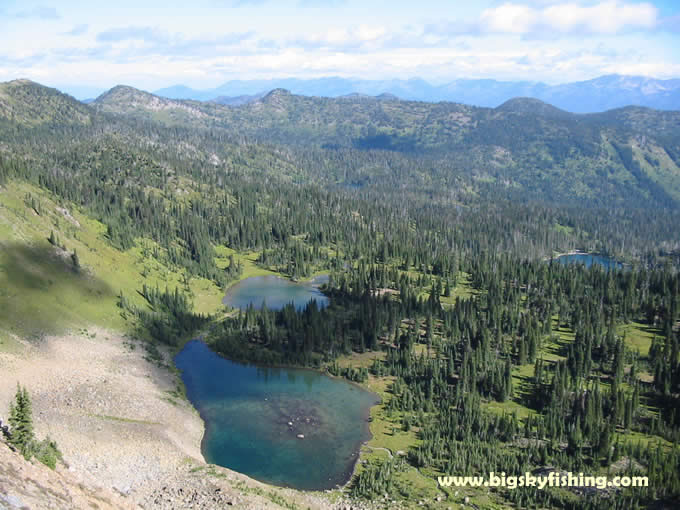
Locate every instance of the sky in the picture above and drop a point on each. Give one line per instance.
(86, 47)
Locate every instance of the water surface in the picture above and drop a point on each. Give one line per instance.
(588, 260)
(253, 417)
(275, 292)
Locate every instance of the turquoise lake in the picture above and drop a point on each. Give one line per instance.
(275, 292)
(253, 416)
(588, 260)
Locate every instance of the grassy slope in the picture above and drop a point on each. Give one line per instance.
(37, 280)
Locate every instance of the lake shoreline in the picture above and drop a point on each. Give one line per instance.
(275, 275)
(357, 450)
(366, 418)
(278, 291)
(585, 253)
(124, 428)
(571, 252)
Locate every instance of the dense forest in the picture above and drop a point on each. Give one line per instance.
(437, 225)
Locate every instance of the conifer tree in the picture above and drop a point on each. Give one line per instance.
(75, 260)
(21, 421)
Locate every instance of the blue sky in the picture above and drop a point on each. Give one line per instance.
(203, 43)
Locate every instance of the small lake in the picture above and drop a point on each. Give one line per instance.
(253, 416)
(275, 292)
(588, 260)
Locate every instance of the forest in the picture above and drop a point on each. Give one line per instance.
(440, 247)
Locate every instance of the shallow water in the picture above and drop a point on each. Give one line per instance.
(275, 292)
(253, 416)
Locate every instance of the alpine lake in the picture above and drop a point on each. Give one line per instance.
(588, 260)
(275, 292)
(289, 427)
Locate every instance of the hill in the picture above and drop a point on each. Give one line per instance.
(237, 100)
(529, 106)
(631, 152)
(28, 103)
(130, 101)
(525, 149)
(596, 95)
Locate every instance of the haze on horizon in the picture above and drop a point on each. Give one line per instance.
(159, 44)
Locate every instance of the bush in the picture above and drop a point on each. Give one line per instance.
(47, 452)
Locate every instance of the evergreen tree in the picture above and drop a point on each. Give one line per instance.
(21, 433)
(75, 260)
(21, 421)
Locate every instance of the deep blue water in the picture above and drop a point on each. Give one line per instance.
(275, 292)
(588, 260)
(247, 411)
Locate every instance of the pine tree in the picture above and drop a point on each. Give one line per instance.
(75, 260)
(21, 421)
(508, 379)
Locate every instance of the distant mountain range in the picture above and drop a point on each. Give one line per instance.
(524, 149)
(530, 145)
(597, 95)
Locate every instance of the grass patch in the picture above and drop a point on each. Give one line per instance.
(645, 440)
(248, 262)
(360, 360)
(462, 290)
(8, 343)
(508, 407)
(123, 420)
(42, 293)
(638, 337)
(267, 494)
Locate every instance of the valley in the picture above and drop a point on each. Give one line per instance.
(123, 223)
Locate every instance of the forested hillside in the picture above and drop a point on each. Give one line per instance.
(623, 157)
(436, 223)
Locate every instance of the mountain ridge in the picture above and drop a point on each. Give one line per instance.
(532, 105)
(534, 149)
(526, 140)
(587, 96)
(28, 102)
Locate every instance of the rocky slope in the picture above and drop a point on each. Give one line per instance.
(128, 437)
(32, 485)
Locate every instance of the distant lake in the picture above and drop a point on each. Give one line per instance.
(275, 292)
(253, 416)
(588, 260)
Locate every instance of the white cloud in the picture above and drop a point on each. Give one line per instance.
(509, 18)
(604, 18)
(609, 17)
(548, 40)
(369, 33)
(343, 38)
(335, 36)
